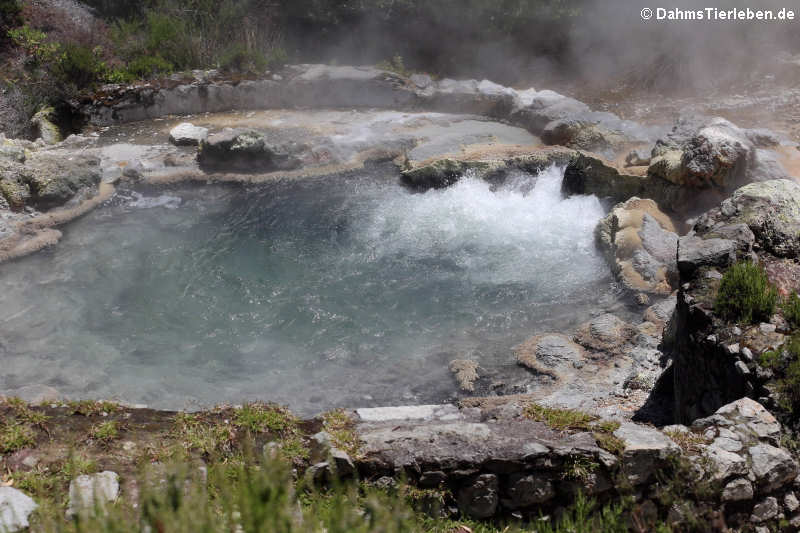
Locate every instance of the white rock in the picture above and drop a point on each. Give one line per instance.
(773, 467)
(89, 492)
(750, 415)
(646, 449)
(15, 508)
(187, 134)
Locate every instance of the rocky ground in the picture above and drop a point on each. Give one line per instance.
(693, 199)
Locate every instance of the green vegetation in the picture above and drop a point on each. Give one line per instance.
(579, 468)
(610, 442)
(574, 420)
(678, 487)
(560, 419)
(745, 294)
(791, 310)
(239, 497)
(91, 408)
(105, 432)
(341, 429)
(18, 425)
(785, 363)
(196, 434)
(15, 436)
(260, 418)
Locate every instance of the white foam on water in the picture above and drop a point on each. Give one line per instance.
(524, 230)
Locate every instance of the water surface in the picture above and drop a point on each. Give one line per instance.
(344, 291)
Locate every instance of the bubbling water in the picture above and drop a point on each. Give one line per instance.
(344, 291)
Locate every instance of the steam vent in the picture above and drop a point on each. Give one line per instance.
(440, 266)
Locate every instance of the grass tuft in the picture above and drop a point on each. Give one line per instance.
(560, 419)
(262, 418)
(196, 434)
(690, 442)
(105, 432)
(15, 436)
(610, 443)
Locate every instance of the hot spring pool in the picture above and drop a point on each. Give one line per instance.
(343, 291)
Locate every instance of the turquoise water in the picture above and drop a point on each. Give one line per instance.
(344, 291)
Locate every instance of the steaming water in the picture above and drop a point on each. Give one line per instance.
(315, 293)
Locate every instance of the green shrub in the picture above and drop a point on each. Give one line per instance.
(791, 310)
(745, 294)
(238, 58)
(785, 364)
(168, 37)
(145, 67)
(80, 66)
(34, 42)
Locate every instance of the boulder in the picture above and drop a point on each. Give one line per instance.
(771, 209)
(88, 493)
(550, 354)
(773, 467)
(589, 174)
(738, 490)
(640, 243)
(723, 463)
(54, 178)
(442, 173)
(44, 122)
(241, 150)
(605, 333)
(15, 508)
(344, 86)
(696, 252)
(525, 490)
(646, 451)
(702, 153)
(766, 213)
(765, 510)
(583, 135)
(479, 498)
(342, 463)
(750, 417)
(187, 134)
(544, 107)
